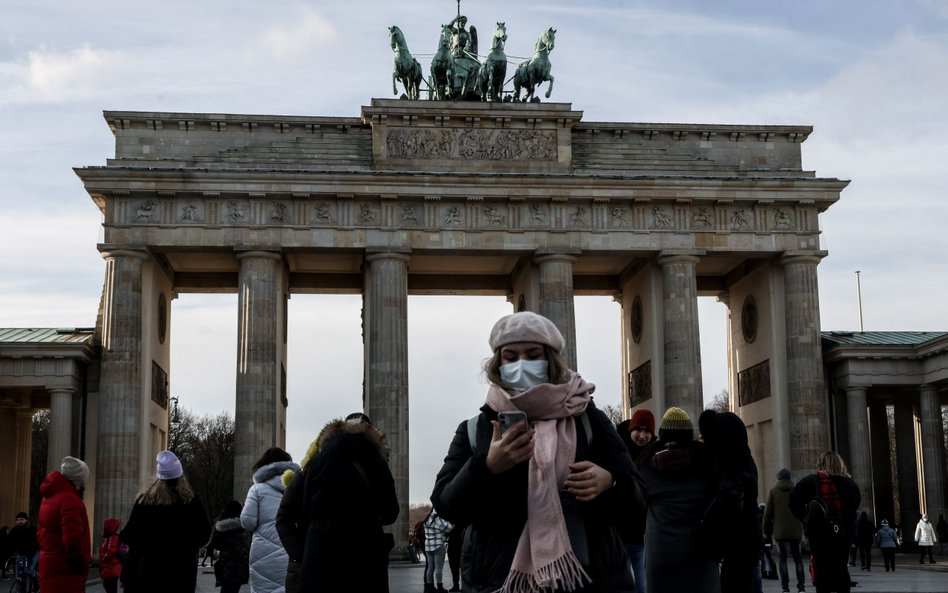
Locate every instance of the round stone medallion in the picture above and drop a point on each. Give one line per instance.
(162, 318)
(749, 319)
(637, 319)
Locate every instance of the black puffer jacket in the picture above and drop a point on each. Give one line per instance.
(495, 506)
(349, 494)
(233, 544)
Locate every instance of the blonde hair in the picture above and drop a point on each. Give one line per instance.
(166, 492)
(559, 372)
(833, 464)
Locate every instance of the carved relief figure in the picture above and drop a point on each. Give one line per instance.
(618, 217)
(408, 213)
(321, 213)
(660, 219)
(701, 218)
(402, 143)
(235, 211)
(189, 214)
(578, 218)
(366, 214)
(452, 217)
(739, 219)
(494, 215)
(146, 212)
(537, 215)
(278, 213)
(782, 219)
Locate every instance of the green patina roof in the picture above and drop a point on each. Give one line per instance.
(46, 335)
(841, 338)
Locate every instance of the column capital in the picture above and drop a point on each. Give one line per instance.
(542, 258)
(402, 256)
(927, 388)
(802, 257)
(670, 257)
(61, 390)
(274, 255)
(854, 388)
(114, 252)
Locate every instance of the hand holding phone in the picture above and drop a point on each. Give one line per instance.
(509, 419)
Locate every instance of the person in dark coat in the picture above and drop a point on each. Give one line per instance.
(65, 543)
(164, 533)
(888, 541)
(540, 500)
(865, 536)
(786, 530)
(680, 485)
(232, 543)
(349, 494)
(638, 435)
(291, 521)
(22, 542)
(734, 527)
(837, 489)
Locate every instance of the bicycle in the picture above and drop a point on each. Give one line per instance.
(22, 576)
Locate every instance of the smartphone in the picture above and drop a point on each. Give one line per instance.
(508, 419)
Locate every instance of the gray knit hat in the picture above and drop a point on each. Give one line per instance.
(74, 470)
(168, 466)
(783, 474)
(526, 327)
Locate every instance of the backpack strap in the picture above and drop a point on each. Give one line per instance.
(472, 429)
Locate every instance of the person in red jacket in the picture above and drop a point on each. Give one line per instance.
(63, 534)
(110, 567)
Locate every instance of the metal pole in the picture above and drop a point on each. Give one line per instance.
(859, 299)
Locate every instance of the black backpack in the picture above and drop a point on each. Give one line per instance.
(822, 524)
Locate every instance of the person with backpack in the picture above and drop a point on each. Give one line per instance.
(541, 496)
(826, 503)
(110, 561)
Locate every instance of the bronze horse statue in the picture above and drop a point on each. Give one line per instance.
(405, 68)
(490, 76)
(442, 64)
(536, 70)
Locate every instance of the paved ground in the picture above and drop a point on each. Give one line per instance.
(910, 577)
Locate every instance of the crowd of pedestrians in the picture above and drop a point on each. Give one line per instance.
(539, 491)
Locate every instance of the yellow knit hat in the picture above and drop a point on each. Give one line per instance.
(676, 419)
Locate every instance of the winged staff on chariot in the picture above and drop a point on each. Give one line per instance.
(457, 72)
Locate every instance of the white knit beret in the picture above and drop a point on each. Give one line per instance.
(526, 327)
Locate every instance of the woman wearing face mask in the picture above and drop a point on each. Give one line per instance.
(543, 498)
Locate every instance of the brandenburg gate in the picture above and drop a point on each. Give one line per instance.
(524, 200)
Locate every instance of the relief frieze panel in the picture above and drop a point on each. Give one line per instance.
(467, 144)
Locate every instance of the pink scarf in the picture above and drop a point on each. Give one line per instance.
(544, 559)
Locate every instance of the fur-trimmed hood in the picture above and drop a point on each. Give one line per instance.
(339, 427)
(265, 473)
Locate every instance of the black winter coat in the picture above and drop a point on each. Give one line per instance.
(163, 543)
(349, 495)
(233, 545)
(495, 506)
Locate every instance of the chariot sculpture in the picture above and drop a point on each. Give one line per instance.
(458, 73)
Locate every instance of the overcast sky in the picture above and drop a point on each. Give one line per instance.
(871, 78)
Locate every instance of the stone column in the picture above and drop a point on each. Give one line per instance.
(860, 461)
(881, 463)
(385, 398)
(556, 298)
(682, 344)
(16, 438)
(806, 392)
(118, 452)
(907, 464)
(258, 372)
(60, 426)
(933, 450)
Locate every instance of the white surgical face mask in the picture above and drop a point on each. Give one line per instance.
(524, 374)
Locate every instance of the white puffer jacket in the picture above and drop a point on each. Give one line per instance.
(267, 557)
(925, 533)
